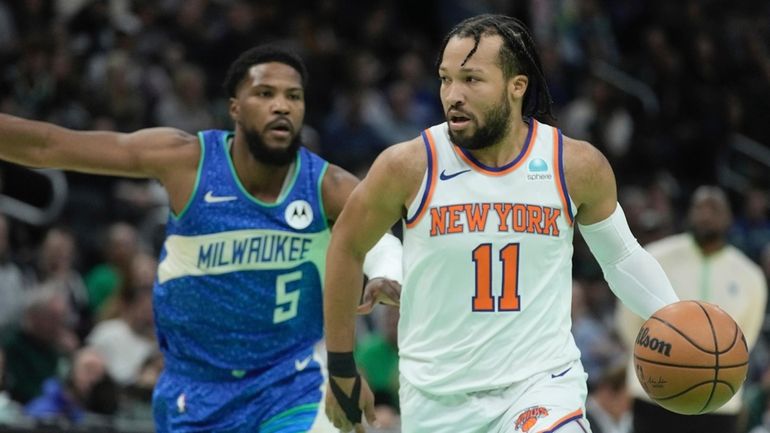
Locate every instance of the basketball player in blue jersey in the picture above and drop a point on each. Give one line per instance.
(489, 200)
(238, 299)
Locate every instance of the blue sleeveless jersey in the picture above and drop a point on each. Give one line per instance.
(239, 284)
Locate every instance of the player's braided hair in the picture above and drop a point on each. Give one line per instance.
(518, 55)
(256, 56)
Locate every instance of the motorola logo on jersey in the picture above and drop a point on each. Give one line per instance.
(299, 214)
(538, 170)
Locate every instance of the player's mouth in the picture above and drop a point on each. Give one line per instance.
(280, 128)
(458, 120)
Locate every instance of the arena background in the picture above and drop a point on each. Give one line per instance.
(675, 94)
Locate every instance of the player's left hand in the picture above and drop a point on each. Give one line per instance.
(365, 397)
(380, 290)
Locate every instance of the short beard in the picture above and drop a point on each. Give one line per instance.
(497, 125)
(269, 156)
(707, 236)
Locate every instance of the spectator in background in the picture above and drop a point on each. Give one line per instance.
(757, 400)
(120, 247)
(128, 340)
(86, 388)
(33, 353)
(11, 282)
(751, 229)
(608, 407)
(401, 121)
(56, 264)
(701, 265)
(599, 117)
(136, 402)
(10, 411)
(350, 141)
(411, 70)
(186, 107)
(599, 347)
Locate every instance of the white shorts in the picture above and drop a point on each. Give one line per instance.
(322, 423)
(549, 402)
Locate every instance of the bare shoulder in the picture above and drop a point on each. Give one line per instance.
(337, 177)
(584, 164)
(166, 139)
(336, 186)
(166, 150)
(590, 180)
(395, 172)
(405, 161)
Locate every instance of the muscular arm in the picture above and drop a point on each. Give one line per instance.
(336, 187)
(590, 181)
(373, 207)
(166, 154)
(632, 273)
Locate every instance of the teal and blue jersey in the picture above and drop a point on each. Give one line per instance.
(239, 285)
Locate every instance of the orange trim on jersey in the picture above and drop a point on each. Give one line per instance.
(518, 161)
(552, 427)
(558, 176)
(433, 162)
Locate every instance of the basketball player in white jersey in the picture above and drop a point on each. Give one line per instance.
(489, 201)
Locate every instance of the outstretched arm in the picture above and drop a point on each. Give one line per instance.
(166, 154)
(632, 273)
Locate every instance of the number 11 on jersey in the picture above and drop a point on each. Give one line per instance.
(484, 300)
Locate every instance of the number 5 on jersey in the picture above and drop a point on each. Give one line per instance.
(484, 300)
(286, 301)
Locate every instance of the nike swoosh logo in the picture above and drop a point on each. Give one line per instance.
(554, 376)
(444, 176)
(211, 198)
(301, 365)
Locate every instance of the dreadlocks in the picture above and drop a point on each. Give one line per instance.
(517, 56)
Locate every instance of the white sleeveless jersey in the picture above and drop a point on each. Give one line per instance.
(488, 268)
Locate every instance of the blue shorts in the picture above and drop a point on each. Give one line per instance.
(284, 398)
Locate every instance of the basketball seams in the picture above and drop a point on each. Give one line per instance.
(683, 392)
(716, 357)
(697, 367)
(716, 350)
(690, 340)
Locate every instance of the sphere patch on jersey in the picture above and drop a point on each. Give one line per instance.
(299, 214)
(538, 165)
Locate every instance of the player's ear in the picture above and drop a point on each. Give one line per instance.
(517, 86)
(234, 108)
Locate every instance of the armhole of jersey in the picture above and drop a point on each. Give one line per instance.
(561, 182)
(321, 194)
(428, 183)
(194, 191)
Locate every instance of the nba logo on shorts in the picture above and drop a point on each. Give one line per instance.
(528, 418)
(299, 214)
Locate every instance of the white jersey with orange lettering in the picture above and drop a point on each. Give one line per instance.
(488, 268)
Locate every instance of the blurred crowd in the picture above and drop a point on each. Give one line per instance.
(667, 90)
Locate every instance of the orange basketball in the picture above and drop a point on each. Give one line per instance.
(691, 357)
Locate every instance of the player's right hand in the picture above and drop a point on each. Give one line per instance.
(365, 402)
(379, 290)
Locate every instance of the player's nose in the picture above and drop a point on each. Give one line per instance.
(454, 96)
(280, 105)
